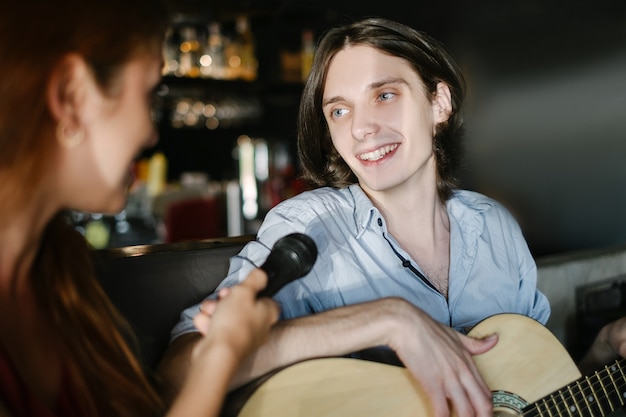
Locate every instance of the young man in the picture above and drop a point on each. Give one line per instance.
(406, 261)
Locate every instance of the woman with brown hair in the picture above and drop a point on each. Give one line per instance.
(75, 95)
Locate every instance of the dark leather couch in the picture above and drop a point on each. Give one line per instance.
(152, 284)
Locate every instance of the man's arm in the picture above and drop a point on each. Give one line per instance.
(438, 357)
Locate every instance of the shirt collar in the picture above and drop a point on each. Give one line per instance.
(364, 210)
(465, 206)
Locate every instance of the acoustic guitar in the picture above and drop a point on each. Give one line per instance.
(529, 372)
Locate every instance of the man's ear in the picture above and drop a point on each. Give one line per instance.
(442, 103)
(67, 88)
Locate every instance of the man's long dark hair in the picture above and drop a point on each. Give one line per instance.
(321, 164)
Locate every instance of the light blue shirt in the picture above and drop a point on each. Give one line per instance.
(491, 268)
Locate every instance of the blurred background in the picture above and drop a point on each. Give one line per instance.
(545, 115)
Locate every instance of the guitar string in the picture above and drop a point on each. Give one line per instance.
(616, 385)
(551, 405)
(612, 379)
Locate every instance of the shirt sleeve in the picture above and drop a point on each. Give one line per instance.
(533, 303)
(276, 225)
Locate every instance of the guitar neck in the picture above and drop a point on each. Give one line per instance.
(594, 395)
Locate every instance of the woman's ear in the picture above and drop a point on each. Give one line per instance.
(442, 103)
(67, 89)
(66, 94)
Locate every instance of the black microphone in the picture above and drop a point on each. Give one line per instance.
(291, 257)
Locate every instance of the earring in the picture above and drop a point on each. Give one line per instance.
(68, 138)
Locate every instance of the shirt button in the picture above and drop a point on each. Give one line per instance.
(380, 221)
(406, 263)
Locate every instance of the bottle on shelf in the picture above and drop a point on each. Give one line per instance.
(212, 62)
(189, 58)
(157, 174)
(242, 62)
(307, 53)
(170, 53)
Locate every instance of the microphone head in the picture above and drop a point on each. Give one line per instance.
(292, 257)
(298, 252)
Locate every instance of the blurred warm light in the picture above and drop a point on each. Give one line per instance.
(206, 60)
(189, 46)
(234, 61)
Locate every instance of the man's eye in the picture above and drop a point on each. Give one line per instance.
(386, 96)
(338, 113)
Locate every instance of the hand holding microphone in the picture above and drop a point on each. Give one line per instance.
(291, 258)
(242, 320)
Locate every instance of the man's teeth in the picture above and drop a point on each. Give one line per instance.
(377, 154)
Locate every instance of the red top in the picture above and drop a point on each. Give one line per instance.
(21, 403)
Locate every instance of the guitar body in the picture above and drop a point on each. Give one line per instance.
(527, 363)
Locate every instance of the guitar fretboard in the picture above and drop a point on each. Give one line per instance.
(593, 395)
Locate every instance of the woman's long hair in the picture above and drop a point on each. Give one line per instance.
(105, 377)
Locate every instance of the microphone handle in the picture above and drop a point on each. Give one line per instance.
(275, 279)
(291, 258)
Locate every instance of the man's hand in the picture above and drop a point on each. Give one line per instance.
(440, 358)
